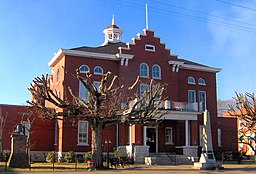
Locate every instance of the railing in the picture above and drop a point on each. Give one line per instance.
(179, 106)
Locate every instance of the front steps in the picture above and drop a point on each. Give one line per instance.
(167, 159)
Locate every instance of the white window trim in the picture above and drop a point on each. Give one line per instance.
(79, 90)
(96, 82)
(153, 48)
(147, 76)
(171, 142)
(83, 71)
(78, 143)
(201, 83)
(160, 74)
(97, 73)
(194, 95)
(191, 83)
(199, 98)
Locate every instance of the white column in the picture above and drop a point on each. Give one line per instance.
(144, 135)
(187, 132)
(130, 134)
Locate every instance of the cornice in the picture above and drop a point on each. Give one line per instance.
(63, 52)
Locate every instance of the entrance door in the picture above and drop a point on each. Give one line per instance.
(151, 139)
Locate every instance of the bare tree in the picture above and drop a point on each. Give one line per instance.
(245, 111)
(3, 118)
(103, 107)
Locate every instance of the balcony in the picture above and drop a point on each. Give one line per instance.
(179, 106)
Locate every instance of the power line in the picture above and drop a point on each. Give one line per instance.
(198, 18)
(237, 5)
(200, 12)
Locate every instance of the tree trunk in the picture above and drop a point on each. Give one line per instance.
(97, 144)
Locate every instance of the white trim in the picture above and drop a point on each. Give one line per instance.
(191, 83)
(84, 66)
(178, 115)
(151, 46)
(201, 68)
(87, 125)
(97, 73)
(147, 76)
(203, 84)
(160, 73)
(82, 54)
(194, 67)
(126, 56)
(169, 142)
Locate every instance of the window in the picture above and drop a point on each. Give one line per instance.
(168, 135)
(144, 70)
(191, 96)
(150, 48)
(156, 72)
(84, 68)
(82, 132)
(191, 80)
(201, 81)
(26, 126)
(58, 75)
(143, 88)
(96, 84)
(202, 100)
(83, 92)
(98, 70)
(219, 138)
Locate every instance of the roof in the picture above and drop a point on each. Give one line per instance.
(109, 48)
(113, 26)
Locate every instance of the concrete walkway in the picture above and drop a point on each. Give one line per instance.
(179, 169)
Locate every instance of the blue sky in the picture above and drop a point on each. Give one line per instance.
(32, 31)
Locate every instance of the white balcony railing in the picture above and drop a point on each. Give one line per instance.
(179, 106)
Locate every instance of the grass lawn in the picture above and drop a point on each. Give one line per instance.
(48, 167)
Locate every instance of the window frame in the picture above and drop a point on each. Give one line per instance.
(142, 71)
(149, 47)
(79, 132)
(98, 73)
(190, 101)
(159, 72)
(203, 107)
(95, 84)
(168, 135)
(82, 67)
(81, 86)
(201, 81)
(193, 82)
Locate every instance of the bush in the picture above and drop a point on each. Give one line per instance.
(88, 156)
(5, 156)
(70, 157)
(51, 157)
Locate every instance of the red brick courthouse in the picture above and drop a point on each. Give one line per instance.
(191, 88)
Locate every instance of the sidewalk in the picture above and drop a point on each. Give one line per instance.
(157, 169)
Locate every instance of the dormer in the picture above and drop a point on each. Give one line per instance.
(112, 33)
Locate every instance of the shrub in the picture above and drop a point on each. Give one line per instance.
(88, 156)
(51, 157)
(6, 155)
(70, 157)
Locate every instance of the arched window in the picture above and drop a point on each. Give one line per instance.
(156, 72)
(201, 81)
(84, 68)
(144, 70)
(191, 80)
(98, 70)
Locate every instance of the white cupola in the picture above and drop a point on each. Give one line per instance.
(112, 33)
